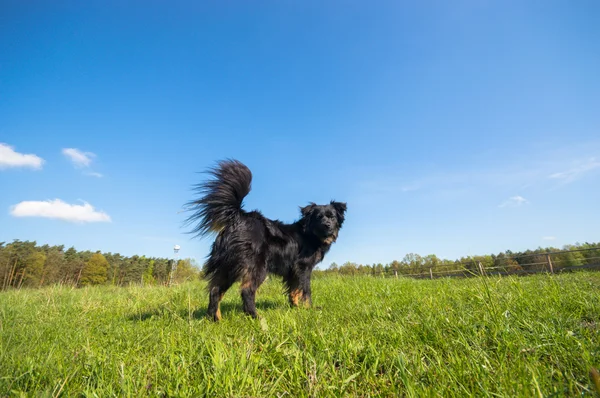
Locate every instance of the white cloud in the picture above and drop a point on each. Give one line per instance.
(514, 201)
(94, 174)
(10, 158)
(549, 238)
(79, 159)
(57, 209)
(577, 171)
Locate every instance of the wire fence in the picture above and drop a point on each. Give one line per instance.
(534, 263)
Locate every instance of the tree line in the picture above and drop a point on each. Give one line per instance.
(530, 260)
(25, 264)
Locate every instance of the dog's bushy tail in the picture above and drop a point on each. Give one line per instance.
(221, 197)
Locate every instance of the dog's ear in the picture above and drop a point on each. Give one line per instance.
(340, 209)
(306, 210)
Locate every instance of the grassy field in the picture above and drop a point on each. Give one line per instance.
(530, 336)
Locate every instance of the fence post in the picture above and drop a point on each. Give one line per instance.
(549, 263)
(481, 268)
(430, 273)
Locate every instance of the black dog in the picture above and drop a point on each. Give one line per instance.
(249, 245)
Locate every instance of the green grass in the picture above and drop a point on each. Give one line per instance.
(531, 336)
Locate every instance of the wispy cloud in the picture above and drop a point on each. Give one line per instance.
(451, 185)
(57, 209)
(409, 188)
(10, 158)
(576, 171)
(529, 170)
(549, 238)
(514, 201)
(81, 160)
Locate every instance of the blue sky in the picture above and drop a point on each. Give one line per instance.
(454, 128)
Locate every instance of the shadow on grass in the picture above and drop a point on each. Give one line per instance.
(201, 313)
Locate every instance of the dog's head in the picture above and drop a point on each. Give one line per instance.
(324, 221)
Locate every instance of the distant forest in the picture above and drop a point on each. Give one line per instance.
(24, 264)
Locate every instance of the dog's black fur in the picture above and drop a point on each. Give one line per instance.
(248, 245)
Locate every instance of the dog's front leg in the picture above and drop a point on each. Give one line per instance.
(306, 293)
(294, 290)
(299, 290)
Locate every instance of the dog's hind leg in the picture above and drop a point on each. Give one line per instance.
(250, 283)
(217, 289)
(214, 304)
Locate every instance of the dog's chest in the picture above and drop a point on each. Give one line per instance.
(317, 257)
(311, 258)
